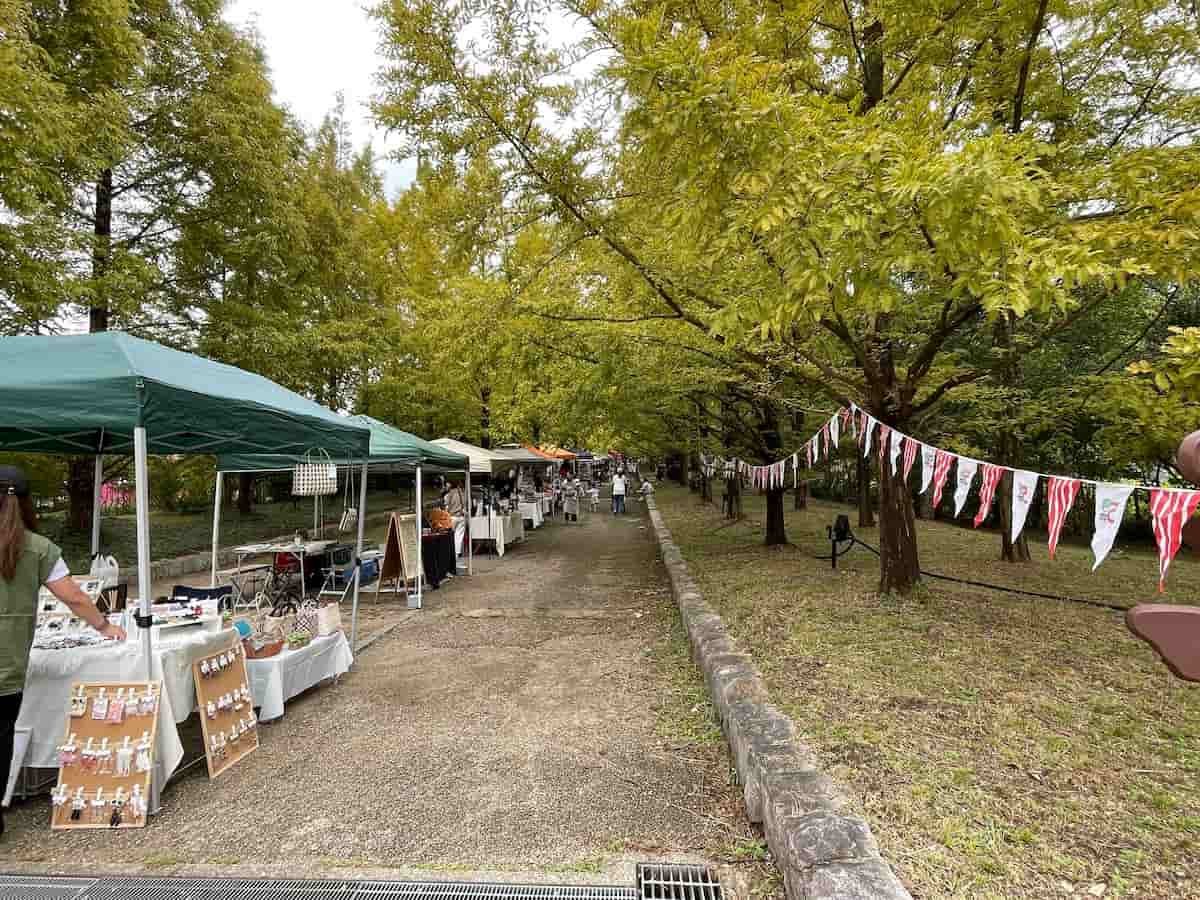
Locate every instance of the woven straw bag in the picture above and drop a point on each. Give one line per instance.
(315, 477)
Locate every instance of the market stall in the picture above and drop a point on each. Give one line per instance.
(390, 450)
(494, 519)
(111, 393)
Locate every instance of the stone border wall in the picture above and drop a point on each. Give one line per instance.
(822, 850)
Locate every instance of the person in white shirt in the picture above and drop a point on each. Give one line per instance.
(456, 506)
(618, 494)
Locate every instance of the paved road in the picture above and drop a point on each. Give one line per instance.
(510, 726)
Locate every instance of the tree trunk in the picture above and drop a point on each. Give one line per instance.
(245, 503)
(801, 495)
(732, 501)
(485, 418)
(81, 472)
(776, 527)
(899, 565)
(1007, 447)
(866, 512)
(705, 488)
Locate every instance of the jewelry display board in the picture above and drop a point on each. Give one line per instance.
(106, 758)
(226, 708)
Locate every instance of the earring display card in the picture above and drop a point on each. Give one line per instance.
(106, 759)
(226, 708)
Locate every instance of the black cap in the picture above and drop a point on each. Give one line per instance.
(13, 481)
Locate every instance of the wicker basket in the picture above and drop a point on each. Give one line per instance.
(262, 649)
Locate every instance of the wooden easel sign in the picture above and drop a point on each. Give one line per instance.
(226, 708)
(106, 758)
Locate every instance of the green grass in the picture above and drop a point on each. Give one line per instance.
(177, 534)
(999, 746)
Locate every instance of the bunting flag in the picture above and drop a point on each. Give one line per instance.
(987, 490)
(868, 426)
(910, 455)
(833, 430)
(796, 469)
(844, 415)
(1110, 512)
(1061, 494)
(810, 455)
(928, 464)
(1024, 487)
(1169, 510)
(825, 431)
(885, 434)
(940, 470)
(897, 439)
(966, 476)
(854, 420)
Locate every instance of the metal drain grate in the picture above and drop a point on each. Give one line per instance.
(670, 882)
(20, 887)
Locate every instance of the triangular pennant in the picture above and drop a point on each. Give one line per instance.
(885, 433)
(1110, 512)
(1023, 488)
(987, 490)
(1168, 511)
(833, 430)
(825, 432)
(796, 470)
(964, 479)
(844, 415)
(897, 440)
(1060, 493)
(940, 470)
(868, 426)
(854, 420)
(810, 452)
(928, 465)
(910, 455)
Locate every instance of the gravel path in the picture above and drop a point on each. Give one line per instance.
(509, 727)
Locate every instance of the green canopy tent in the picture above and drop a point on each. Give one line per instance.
(112, 393)
(390, 447)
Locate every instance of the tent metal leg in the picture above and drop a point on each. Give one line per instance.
(216, 527)
(420, 542)
(145, 589)
(470, 543)
(97, 488)
(358, 549)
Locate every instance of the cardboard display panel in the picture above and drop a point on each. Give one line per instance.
(106, 758)
(226, 708)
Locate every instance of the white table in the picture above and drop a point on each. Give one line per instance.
(501, 529)
(277, 679)
(297, 549)
(532, 512)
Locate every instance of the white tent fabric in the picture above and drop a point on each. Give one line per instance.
(483, 461)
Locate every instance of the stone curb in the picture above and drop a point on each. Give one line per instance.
(824, 852)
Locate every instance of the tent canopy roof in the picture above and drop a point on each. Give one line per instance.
(87, 393)
(482, 460)
(389, 446)
(519, 454)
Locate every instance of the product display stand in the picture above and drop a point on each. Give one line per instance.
(106, 758)
(226, 708)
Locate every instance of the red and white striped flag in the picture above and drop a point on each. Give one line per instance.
(941, 469)
(810, 454)
(854, 420)
(885, 434)
(987, 490)
(825, 431)
(844, 413)
(910, 455)
(1060, 493)
(1169, 510)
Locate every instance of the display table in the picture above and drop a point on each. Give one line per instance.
(502, 530)
(437, 557)
(276, 680)
(532, 513)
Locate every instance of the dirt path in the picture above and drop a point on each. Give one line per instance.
(514, 725)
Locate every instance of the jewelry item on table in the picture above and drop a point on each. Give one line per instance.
(141, 760)
(137, 803)
(116, 708)
(100, 706)
(78, 703)
(124, 758)
(59, 797)
(204, 669)
(87, 757)
(146, 705)
(211, 709)
(99, 806)
(68, 753)
(233, 735)
(118, 804)
(77, 805)
(104, 758)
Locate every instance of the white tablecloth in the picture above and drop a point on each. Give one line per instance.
(533, 513)
(276, 680)
(504, 530)
(547, 504)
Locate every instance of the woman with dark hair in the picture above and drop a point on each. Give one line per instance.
(28, 561)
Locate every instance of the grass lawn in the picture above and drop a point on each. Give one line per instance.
(176, 534)
(999, 746)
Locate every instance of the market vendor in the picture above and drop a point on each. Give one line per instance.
(28, 561)
(456, 504)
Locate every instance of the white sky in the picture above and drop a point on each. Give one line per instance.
(316, 48)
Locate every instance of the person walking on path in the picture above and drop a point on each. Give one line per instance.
(571, 501)
(619, 486)
(28, 561)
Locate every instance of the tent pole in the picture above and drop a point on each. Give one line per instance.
(142, 487)
(316, 521)
(362, 519)
(216, 526)
(420, 542)
(97, 485)
(470, 512)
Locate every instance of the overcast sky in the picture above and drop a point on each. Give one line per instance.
(316, 48)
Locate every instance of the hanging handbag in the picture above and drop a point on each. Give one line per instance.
(315, 477)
